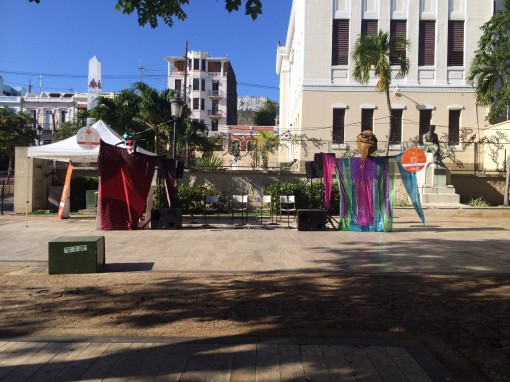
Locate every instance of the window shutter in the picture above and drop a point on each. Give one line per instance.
(367, 119)
(369, 27)
(398, 28)
(453, 128)
(456, 43)
(338, 125)
(426, 54)
(396, 127)
(340, 48)
(425, 117)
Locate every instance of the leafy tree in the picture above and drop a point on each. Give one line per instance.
(266, 115)
(264, 143)
(155, 113)
(490, 67)
(70, 128)
(377, 52)
(148, 11)
(16, 129)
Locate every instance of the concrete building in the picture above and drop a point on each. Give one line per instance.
(319, 97)
(47, 109)
(209, 84)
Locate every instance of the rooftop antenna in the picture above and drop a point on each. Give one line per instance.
(40, 83)
(30, 86)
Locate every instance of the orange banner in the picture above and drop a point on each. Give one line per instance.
(63, 213)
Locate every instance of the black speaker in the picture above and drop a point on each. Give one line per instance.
(179, 169)
(310, 170)
(166, 218)
(311, 220)
(317, 161)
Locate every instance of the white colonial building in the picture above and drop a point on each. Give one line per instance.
(319, 97)
(209, 85)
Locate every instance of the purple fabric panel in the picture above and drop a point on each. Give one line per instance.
(365, 201)
(369, 171)
(328, 163)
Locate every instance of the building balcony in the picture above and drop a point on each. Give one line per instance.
(215, 113)
(216, 94)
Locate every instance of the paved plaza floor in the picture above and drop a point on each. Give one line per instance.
(444, 245)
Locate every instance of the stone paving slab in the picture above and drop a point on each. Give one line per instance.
(215, 359)
(442, 246)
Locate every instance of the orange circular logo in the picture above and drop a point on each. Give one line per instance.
(414, 159)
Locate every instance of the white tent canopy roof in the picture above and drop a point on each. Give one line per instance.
(68, 149)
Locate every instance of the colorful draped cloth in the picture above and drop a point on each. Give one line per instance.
(367, 192)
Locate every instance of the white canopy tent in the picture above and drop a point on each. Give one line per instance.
(68, 150)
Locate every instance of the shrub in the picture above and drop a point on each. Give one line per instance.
(478, 202)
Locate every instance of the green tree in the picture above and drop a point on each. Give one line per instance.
(377, 53)
(148, 11)
(118, 112)
(266, 115)
(70, 128)
(16, 129)
(490, 67)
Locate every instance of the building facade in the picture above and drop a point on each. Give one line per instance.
(320, 98)
(48, 110)
(209, 85)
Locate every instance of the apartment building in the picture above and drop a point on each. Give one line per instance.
(320, 98)
(209, 84)
(47, 109)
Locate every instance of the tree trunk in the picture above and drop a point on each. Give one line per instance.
(9, 168)
(507, 183)
(388, 102)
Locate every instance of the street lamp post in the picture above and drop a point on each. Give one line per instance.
(39, 134)
(176, 105)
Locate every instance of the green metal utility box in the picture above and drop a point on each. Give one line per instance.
(76, 254)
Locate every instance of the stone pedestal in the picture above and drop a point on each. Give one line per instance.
(434, 185)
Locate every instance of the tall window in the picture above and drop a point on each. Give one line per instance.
(427, 43)
(196, 103)
(338, 126)
(196, 84)
(367, 119)
(454, 128)
(369, 27)
(196, 64)
(214, 125)
(398, 28)
(455, 43)
(178, 84)
(203, 65)
(425, 117)
(203, 84)
(202, 104)
(340, 48)
(396, 127)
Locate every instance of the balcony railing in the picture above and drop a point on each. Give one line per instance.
(216, 94)
(215, 113)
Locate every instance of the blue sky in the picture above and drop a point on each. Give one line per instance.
(56, 38)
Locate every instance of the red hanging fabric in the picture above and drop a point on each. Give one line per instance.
(125, 181)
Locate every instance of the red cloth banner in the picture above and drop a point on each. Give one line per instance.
(125, 181)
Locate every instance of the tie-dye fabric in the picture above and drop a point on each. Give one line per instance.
(367, 192)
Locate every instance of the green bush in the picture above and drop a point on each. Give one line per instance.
(191, 199)
(478, 202)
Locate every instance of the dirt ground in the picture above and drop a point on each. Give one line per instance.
(463, 320)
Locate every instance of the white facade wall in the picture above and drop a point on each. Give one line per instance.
(311, 87)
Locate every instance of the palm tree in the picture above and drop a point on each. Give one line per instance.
(379, 52)
(155, 112)
(118, 112)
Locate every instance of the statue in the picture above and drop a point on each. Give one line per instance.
(431, 145)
